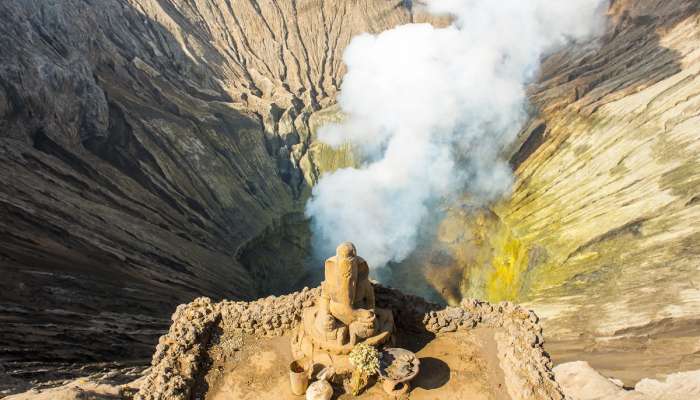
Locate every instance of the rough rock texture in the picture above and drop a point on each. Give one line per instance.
(581, 382)
(601, 235)
(607, 199)
(144, 144)
(152, 150)
(179, 358)
(88, 388)
(40, 378)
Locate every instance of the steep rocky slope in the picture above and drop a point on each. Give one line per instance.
(143, 145)
(608, 194)
(601, 233)
(156, 150)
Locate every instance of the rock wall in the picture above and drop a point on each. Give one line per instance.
(179, 356)
(606, 197)
(144, 144)
(600, 234)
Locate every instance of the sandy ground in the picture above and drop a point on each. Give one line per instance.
(453, 366)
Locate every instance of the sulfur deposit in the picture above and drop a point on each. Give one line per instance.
(155, 151)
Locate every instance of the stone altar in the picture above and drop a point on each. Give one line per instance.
(344, 315)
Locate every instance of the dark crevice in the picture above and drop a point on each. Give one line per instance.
(631, 228)
(278, 259)
(531, 144)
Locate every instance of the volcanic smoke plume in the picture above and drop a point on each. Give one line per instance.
(430, 109)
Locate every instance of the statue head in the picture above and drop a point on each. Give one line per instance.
(345, 250)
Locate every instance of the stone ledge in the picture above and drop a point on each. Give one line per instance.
(178, 359)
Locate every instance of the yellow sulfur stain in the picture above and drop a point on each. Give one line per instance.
(492, 261)
(509, 263)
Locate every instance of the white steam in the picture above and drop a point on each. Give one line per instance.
(430, 109)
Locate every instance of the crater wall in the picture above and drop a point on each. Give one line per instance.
(145, 146)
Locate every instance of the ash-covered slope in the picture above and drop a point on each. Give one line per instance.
(143, 144)
(606, 200)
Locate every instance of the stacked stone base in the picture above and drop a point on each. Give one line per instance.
(179, 356)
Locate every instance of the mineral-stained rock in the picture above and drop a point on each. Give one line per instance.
(151, 151)
(601, 235)
(606, 199)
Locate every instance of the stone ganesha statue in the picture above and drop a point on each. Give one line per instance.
(344, 315)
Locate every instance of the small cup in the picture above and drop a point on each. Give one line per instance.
(298, 377)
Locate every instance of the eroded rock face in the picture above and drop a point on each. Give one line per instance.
(143, 144)
(608, 192)
(600, 235)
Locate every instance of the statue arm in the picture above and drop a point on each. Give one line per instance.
(367, 286)
(324, 298)
(370, 296)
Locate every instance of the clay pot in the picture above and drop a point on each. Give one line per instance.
(298, 377)
(397, 386)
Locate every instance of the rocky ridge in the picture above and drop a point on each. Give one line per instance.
(582, 382)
